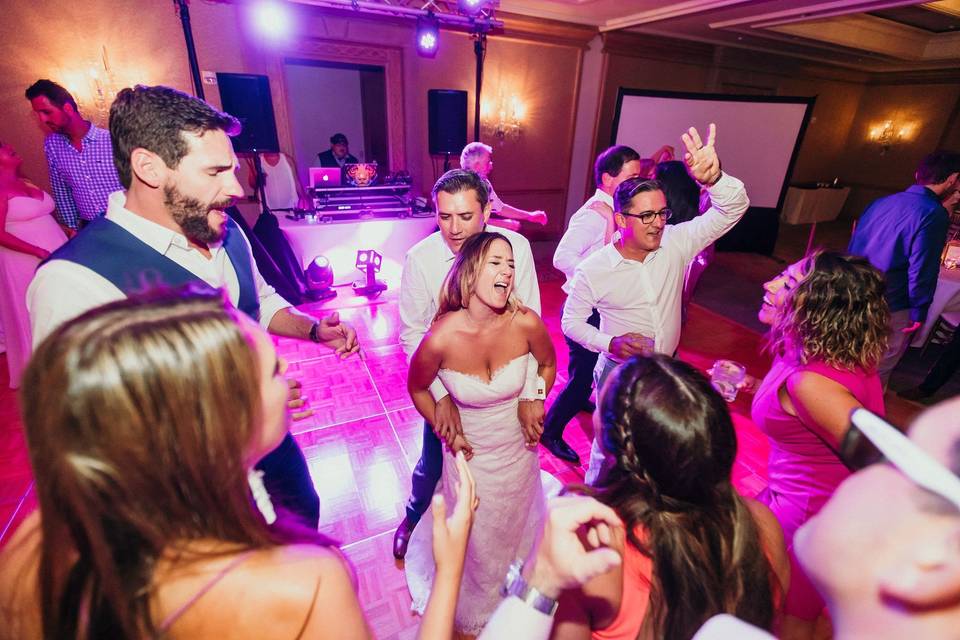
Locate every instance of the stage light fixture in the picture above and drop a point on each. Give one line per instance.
(320, 279)
(428, 35)
(472, 8)
(271, 19)
(369, 262)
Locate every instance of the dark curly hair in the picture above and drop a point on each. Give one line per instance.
(153, 118)
(836, 314)
(674, 444)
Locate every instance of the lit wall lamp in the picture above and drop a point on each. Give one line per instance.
(95, 88)
(889, 133)
(507, 121)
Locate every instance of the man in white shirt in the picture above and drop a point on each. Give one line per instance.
(590, 228)
(174, 156)
(636, 281)
(478, 157)
(463, 207)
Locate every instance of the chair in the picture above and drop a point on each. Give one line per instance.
(942, 331)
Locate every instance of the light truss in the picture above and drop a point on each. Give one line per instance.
(445, 11)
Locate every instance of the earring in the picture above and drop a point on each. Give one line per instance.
(260, 496)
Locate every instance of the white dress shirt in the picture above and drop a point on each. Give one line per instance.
(62, 290)
(644, 297)
(424, 271)
(584, 236)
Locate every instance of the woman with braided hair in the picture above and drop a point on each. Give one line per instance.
(692, 547)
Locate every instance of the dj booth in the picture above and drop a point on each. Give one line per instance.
(349, 217)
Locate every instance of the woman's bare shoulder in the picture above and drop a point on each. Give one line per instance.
(271, 593)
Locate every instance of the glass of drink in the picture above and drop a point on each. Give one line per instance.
(646, 344)
(726, 377)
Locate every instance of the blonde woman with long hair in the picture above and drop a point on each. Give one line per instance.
(479, 347)
(144, 419)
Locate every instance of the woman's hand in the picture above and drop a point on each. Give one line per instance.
(450, 535)
(459, 444)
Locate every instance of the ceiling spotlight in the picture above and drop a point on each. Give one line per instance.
(369, 261)
(272, 20)
(320, 279)
(472, 7)
(428, 35)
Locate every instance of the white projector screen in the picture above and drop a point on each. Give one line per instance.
(757, 136)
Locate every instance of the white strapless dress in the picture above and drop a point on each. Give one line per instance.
(512, 503)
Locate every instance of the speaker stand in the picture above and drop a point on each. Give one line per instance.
(260, 180)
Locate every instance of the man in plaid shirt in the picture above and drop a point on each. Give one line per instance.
(79, 156)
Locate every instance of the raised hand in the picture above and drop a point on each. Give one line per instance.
(701, 159)
(450, 535)
(573, 547)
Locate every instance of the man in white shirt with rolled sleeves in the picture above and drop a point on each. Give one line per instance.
(636, 281)
(590, 228)
(461, 199)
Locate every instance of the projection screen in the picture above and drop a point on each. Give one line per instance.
(758, 137)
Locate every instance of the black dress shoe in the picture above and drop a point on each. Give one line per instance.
(402, 538)
(561, 449)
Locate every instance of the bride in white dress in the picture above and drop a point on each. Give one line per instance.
(479, 347)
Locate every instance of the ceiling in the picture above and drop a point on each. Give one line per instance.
(874, 35)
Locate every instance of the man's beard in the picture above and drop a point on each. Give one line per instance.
(192, 215)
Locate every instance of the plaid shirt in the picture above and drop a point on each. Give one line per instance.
(81, 180)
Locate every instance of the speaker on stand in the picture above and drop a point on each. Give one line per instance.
(247, 98)
(447, 122)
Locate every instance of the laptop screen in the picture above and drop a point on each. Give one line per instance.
(321, 177)
(361, 174)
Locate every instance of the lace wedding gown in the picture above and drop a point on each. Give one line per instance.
(512, 505)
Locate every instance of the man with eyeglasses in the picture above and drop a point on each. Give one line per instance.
(635, 282)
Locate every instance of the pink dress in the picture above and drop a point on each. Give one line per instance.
(803, 467)
(30, 220)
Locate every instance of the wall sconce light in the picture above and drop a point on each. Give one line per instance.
(508, 119)
(889, 133)
(95, 88)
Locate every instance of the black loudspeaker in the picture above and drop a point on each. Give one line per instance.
(247, 98)
(448, 121)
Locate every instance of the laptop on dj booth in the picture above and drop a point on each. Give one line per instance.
(360, 174)
(321, 177)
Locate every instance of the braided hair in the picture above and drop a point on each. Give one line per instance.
(674, 445)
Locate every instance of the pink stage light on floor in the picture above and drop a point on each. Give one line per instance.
(428, 35)
(272, 20)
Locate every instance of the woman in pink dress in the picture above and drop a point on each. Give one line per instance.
(828, 329)
(28, 233)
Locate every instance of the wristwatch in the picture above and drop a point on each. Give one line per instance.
(315, 332)
(515, 585)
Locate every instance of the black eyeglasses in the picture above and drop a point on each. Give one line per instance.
(872, 439)
(646, 217)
